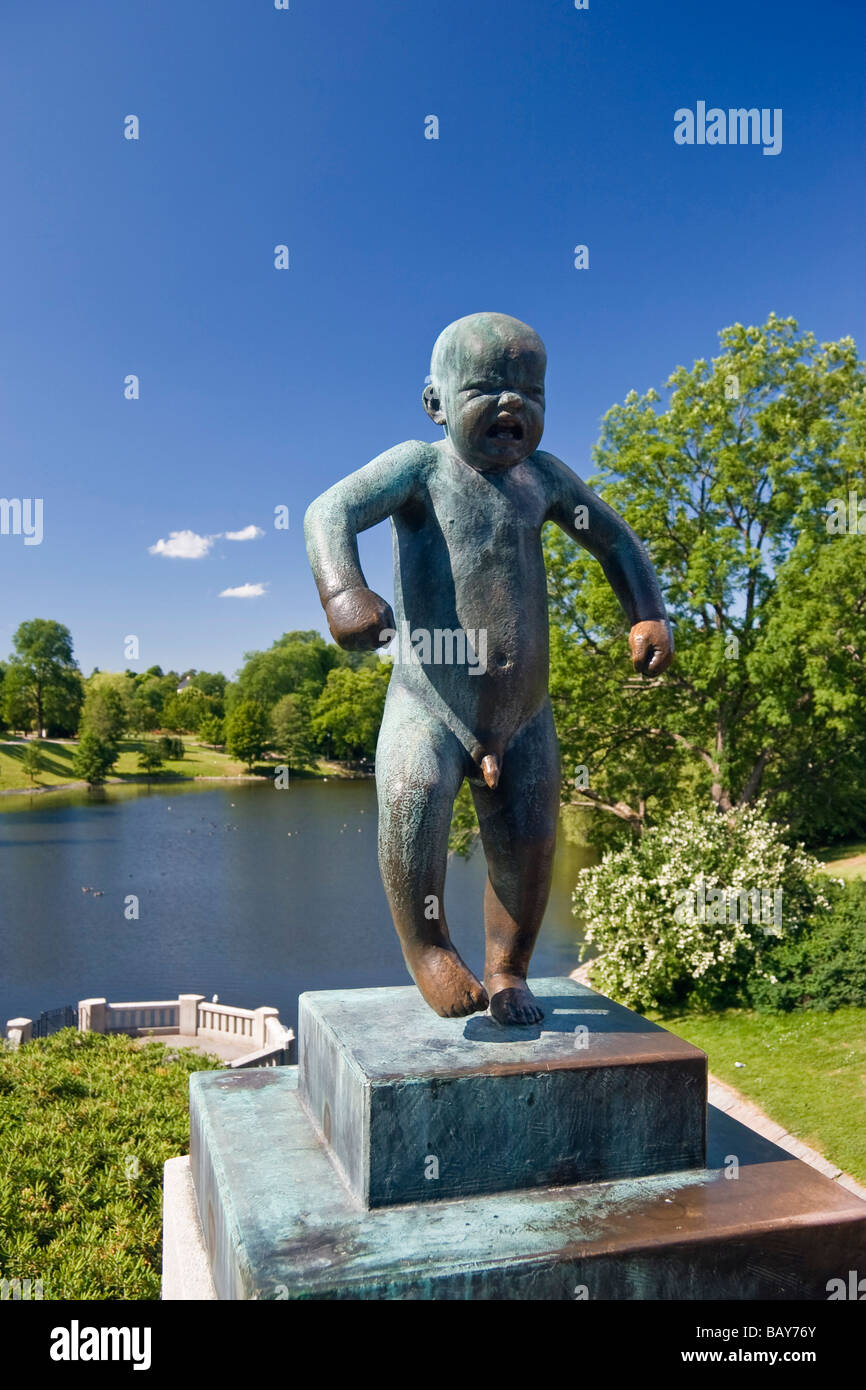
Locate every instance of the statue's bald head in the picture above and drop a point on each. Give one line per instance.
(486, 389)
(480, 336)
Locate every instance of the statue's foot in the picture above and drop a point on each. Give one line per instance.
(512, 1001)
(448, 985)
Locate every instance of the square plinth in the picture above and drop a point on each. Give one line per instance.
(413, 1107)
(278, 1222)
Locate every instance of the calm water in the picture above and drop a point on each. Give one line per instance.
(244, 891)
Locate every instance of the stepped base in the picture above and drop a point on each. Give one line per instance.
(278, 1222)
(416, 1108)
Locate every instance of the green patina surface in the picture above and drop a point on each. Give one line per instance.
(280, 1223)
(468, 697)
(418, 1108)
(280, 1220)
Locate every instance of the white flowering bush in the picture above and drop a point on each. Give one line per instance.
(686, 914)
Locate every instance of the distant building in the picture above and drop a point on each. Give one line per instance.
(186, 682)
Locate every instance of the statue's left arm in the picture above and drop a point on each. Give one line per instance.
(583, 515)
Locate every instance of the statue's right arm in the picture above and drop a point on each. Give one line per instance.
(356, 616)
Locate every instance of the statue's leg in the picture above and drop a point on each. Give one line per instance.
(419, 768)
(518, 820)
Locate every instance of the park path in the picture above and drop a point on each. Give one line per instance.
(726, 1098)
(852, 867)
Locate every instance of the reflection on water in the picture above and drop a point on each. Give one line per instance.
(243, 891)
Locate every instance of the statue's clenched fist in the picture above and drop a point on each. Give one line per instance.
(652, 647)
(360, 620)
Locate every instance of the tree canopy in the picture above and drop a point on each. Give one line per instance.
(292, 734)
(247, 731)
(295, 661)
(347, 714)
(42, 687)
(730, 483)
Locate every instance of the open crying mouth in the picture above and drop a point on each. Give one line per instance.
(503, 430)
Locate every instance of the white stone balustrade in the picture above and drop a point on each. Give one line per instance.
(149, 1016)
(18, 1031)
(190, 1015)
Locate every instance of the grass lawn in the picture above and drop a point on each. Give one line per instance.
(845, 861)
(57, 764)
(198, 761)
(806, 1070)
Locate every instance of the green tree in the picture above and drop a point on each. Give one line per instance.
(94, 758)
(31, 760)
(104, 712)
(292, 733)
(18, 710)
(296, 659)
(247, 732)
(171, 749)
(810, 670)
(151, 692)
(120, 708)
(349, 710)
(231, 697)
(42, 687)
(213, 684)
(172, 715)
(729, 485)
(138, 714)
(212, 731)
(185, 712)
(150, 758)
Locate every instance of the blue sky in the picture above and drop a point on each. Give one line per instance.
(259, 387)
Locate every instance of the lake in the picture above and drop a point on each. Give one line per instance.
(244, 891)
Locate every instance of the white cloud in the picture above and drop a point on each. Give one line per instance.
(245, 591)
(183, 545)
(249, 533)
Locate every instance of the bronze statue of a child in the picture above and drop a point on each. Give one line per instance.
(467, 514)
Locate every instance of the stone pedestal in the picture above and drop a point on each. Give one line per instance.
(415, 1108)
(409, 1156)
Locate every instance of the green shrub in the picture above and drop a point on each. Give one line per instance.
(171, 749)
(150, 758)
(670, 913)
(825, 966)
(86, 1123)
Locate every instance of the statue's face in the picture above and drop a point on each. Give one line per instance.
(492, 399)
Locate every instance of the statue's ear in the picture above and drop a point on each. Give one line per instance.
(433, 405)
